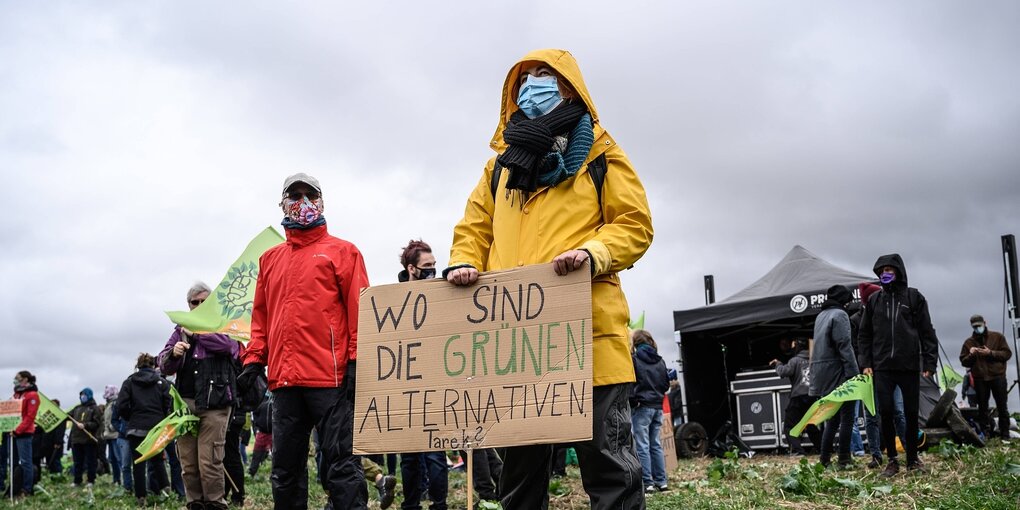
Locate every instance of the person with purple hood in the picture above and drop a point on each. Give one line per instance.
(207, 382)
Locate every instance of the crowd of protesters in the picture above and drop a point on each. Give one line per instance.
(890, 338)
(293, 385)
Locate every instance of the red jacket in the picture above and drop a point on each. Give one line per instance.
(304, 322)
(29, 407)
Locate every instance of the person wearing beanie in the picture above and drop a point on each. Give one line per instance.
(87, 425)
(985, 353)
(833, 363)
(897, 343)
(304, 327)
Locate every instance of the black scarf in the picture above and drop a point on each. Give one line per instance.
(530, 140)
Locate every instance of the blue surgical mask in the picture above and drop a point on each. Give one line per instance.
(538, 96)
(83, 399)
(979, 330)
(887, 278)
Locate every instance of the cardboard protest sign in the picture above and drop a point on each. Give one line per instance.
(668, 443)
(10, 415)
(504, 362)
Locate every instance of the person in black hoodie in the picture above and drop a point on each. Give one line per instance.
(646, 410)
(144, 401)
(896, 342)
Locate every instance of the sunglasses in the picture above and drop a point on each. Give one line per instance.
(295, 195)
(196, 302)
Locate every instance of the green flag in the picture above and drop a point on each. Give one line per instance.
(638, 323)
(228, 309)
(858, 387)
(49, 415)
(948, 378)
(180, 421)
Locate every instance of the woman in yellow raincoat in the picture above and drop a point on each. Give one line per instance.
(563, 192)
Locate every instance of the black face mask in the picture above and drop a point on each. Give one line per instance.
(425, 273)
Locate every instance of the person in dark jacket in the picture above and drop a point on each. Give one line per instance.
(56, 438)
(833, 363)
(88, 421)
(429, 469)
(985, 353)
(144, 401)
(189, 355)
(798, 371)
(646, 410)
(897, 341)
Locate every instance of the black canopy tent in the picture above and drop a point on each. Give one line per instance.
(744, 330)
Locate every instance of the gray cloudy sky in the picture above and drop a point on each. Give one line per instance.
(142, 144)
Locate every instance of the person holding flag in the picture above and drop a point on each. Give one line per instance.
(88, 420)
(143, 401)
(897, 342)
(833, 363)
(206, 379)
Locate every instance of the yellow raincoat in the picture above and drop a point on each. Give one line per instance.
(497, 234)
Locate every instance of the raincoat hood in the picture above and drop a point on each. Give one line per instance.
(894, 260)
(145, 377)
(647, 354)
(565, 66)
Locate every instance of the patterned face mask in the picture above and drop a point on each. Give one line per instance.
(304, 211)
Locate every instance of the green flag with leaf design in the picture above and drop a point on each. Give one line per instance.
(228, 308)
(858, 387)
(180, 421)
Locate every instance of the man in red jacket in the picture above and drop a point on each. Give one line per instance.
(305, 328)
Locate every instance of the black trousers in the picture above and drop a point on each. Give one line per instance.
(330, 410)
(487, 467)
(233, 468)
(995, 388)
(795, 410)
(610, 471)
(843, 421)
(138, 471)
(84, 457)
(909, 383)
(416, 466)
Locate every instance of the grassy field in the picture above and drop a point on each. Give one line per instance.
(961, 477)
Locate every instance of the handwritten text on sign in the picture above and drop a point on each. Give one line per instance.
(504, 362)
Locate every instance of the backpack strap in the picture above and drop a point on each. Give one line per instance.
(597, 170)
(497, 170)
